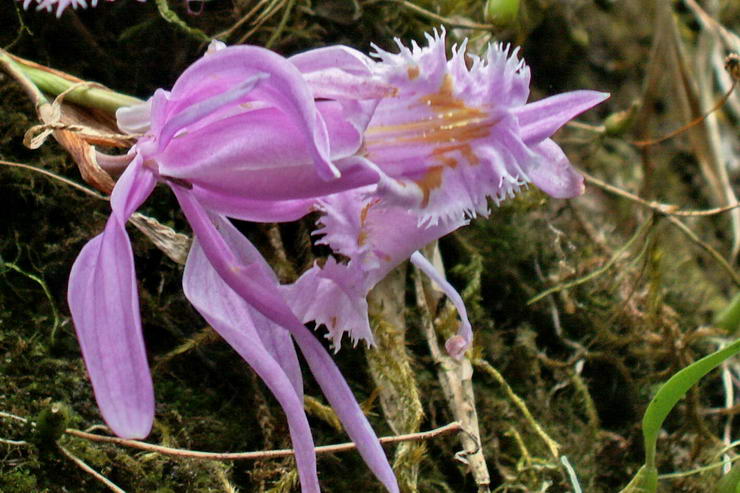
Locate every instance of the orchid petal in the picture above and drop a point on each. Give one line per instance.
(247, 275)
(341, 399)
(225, 68)
(334, 295)
(134, 119)
(340, 57)
(459, 343)
(340, 72)
(376, 237)
(263, 211)
(201, 109)
(555, 175)
(245, 272)
(258, 155)
(104, 304)
(235, 321)
(541, 119)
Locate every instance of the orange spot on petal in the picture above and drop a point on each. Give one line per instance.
(431, 180)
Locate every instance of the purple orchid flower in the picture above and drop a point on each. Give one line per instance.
(446, 140)
(395, 152)
(239, 135)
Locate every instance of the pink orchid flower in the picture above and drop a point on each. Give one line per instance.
(396, 152)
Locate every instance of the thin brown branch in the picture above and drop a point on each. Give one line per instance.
(262, 454)
(695, 121)
(55, 176)
(659, 207)
(92, 472)
(3, 414)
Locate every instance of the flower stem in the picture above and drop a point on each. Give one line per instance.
(90, 97)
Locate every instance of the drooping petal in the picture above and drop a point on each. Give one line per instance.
(341, 399)
(275, 362)
(541, 119)
(104, 303)
(249, 276)
(459, 343)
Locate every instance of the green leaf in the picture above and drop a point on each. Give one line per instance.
(673, 390)
(645, 481)
(730, 483)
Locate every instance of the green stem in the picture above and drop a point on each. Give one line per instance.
(90, 97)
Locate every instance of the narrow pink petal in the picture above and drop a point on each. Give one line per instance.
(340, 72)
(459, 343)
(341, 399)
(339, 57)
(235, 321)
(104, 303)
(263, 211)
(541, 119)
(248, 277)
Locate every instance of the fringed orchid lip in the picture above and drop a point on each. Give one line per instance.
(452, 136)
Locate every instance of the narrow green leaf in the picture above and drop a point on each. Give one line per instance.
(645, 481)
(672, 391)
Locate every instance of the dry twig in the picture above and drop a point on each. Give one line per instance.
(262, 454)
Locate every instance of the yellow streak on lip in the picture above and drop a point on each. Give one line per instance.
(451, 128)
(413, 72)
(362, 235)
(452, 121)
